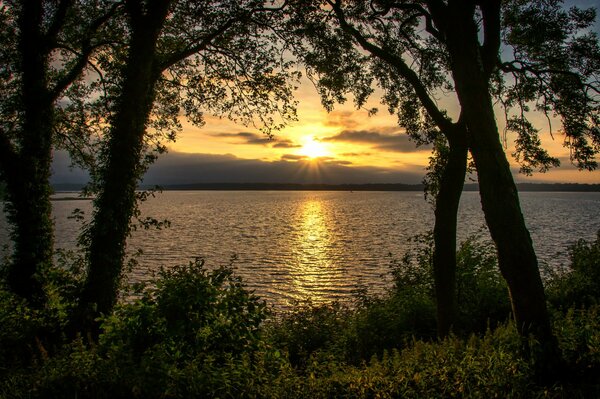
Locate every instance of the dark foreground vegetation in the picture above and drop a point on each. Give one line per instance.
(200, 333)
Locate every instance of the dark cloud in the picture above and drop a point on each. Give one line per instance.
(246, 137)
(339, 162)
(356, 154)
(180, 168)
(64, 172)
(285, 144)
(260, 139)
(398, 142)
(293, 157)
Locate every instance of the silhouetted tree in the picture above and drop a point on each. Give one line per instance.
(339, 67)
(417, 50)
(44, 49)
(178, 57)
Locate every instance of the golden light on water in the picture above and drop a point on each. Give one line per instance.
(314, 263)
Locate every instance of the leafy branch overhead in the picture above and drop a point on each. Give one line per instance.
(538, 57)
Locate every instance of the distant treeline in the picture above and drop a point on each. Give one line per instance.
(564, 187)
(369, 187)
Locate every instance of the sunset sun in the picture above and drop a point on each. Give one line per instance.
(313, 148)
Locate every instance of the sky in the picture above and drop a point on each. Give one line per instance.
(343, 146)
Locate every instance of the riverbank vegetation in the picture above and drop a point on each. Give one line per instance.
(197, 332)
(109, 81)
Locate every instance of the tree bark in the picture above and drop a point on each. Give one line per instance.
(499, 198)
(444, 232)
(27, 178)
(115, 203)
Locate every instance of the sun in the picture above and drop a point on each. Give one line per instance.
(313, 148)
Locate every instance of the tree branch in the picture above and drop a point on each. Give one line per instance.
(437, 10)
(87, 49)
(419, 12)
(521, 67)
(399, 65)
(58, 21)
(200, 45)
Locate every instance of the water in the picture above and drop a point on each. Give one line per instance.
(320, 245)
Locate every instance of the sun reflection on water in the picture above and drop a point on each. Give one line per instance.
(315, 267)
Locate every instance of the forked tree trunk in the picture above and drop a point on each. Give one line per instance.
(444, 234)
(499, 198)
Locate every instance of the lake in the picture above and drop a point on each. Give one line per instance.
(322, 245)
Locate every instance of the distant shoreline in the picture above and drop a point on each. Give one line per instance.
(523, 187)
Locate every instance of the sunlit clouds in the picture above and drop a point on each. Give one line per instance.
(345, 145)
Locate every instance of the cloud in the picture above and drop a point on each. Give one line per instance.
(64, 172)
(293, 157)
(285, 144)
(344, 119)
(356, 154)
(379, 140)
(181, 168)
(257, 139)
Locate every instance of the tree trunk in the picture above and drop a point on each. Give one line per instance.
(444, 234)
(116, 201)
(499, 198)
(29, 208)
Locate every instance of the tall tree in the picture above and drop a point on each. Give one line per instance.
(179, 56)
(339, 67)
(46, 46)
(417, 50)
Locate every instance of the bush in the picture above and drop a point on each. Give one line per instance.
(478, 367)
(308, 329)
(579, 286)
(481, 292)
(201, 333)
(405, 312)
(196, 333)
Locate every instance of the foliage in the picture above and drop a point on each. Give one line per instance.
(307, 329)
(478, 367)
(201, 333)
(405, 312)
(578, 333)
(196, 332)
(481, 293)
(549, 67)
(579, 286)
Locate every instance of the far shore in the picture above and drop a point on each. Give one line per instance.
(523, 187)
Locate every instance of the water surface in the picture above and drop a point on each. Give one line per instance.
(321, 245)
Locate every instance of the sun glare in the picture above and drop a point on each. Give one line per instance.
(313, 148)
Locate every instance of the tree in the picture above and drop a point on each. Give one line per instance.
(46, 46)
(418, 49)
(339, 67)
(178, 56)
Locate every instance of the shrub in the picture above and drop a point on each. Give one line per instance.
(579, 286)
(196, 333)
(484, 367)
(406, 311)
(307, 328)
(481, 293)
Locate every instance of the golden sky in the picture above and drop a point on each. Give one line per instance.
(348, 139)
